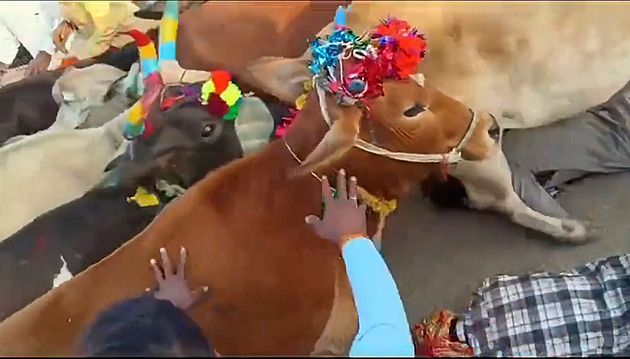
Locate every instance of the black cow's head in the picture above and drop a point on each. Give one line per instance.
(183, 126)
(185, 143)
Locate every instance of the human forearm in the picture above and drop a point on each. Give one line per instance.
(383, 325)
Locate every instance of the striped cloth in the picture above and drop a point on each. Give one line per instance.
(581, 312)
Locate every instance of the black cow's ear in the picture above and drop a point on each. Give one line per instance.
(109, 180)
(114, 172)
(126, 172)
(118, 161)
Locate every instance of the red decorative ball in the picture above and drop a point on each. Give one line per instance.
(217, 106)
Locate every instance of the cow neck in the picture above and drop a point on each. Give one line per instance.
(309, 128)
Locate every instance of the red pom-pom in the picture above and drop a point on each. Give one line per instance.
(221, 79)
(406, 65)
(412, 45)
(400, 56)
(392, 27)
(217, 106)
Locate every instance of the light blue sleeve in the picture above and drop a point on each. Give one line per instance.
(383, 326)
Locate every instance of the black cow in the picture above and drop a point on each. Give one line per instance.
(186, 144)
(27, 106)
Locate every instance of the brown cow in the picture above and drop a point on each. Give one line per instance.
(230, 34)
(278, 288)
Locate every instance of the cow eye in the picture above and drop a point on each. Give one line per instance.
(207, 130)
(414, 111)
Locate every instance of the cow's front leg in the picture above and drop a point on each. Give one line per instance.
(343, 324)
(488, 185)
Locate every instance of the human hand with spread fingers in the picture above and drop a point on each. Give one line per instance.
(344, 218)
(172, 285)
(153, 324)
(383, 326)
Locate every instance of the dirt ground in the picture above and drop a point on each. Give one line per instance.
(439, 257)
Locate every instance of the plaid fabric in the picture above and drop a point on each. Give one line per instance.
(581, 312)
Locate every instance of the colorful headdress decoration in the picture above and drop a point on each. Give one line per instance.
(391, 50)
(220, 95)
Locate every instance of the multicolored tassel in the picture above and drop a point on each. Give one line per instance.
(153, 84)
(168, 32)
(148, 55)
(134, 126)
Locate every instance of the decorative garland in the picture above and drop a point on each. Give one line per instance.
(393, 50)
(432, 338)
(282, 128)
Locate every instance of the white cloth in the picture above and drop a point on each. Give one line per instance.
(28, 22)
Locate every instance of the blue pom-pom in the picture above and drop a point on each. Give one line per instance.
(356, 86)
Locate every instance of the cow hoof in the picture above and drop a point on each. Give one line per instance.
(576, 232)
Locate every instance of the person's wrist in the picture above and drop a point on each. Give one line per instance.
(346, 238)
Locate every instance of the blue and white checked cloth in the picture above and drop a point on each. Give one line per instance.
(581, 312)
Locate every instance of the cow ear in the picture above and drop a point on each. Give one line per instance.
(337, 141)
(113, 171)
(280, 77)
(125, 172)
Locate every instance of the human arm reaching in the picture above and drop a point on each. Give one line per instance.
(383, 326)
(153, 324)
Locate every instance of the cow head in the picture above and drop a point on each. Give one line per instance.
(98, 92)
(368, 95)
(183, 126)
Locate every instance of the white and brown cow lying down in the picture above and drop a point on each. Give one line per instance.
(528, 63)
(543, 160)
(522, 63)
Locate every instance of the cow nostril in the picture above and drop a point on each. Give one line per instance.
(415, 110)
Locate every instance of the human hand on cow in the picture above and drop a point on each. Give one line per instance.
(39, 64)
(343, 218)
(172, 285)
(61, 34)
